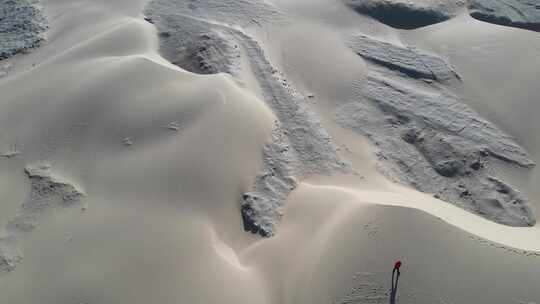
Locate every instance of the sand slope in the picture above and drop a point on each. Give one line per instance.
(137, 168)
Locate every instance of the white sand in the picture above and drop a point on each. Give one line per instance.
(160, 221)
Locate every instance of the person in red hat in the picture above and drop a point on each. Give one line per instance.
(397, 265)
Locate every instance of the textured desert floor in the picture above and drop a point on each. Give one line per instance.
(124, 177)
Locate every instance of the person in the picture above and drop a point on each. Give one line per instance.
(397, 265)
(393, 291)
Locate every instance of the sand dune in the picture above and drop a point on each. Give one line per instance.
(140, 140)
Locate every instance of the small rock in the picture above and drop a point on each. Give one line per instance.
(477, 165)
(448, 168)
(410, 136)
(128, 141)
(173, 126)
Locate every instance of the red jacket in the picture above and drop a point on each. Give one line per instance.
(397, 265)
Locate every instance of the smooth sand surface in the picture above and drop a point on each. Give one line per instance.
(160, 221)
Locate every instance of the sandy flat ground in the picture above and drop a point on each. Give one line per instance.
(162, 156)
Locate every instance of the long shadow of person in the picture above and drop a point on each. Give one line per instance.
(395, 279)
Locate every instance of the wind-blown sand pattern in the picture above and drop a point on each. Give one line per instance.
(46, 192)
(338, 142)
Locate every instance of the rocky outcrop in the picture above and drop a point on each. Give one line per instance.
(194, 35)
(194, 45)
(299, 146)
(242, 13)
(428, 138)
(407, 60)
(262, 206)
(22, 25)
(46, 191)
(406, 14)
(435, 143)
(517, 13)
